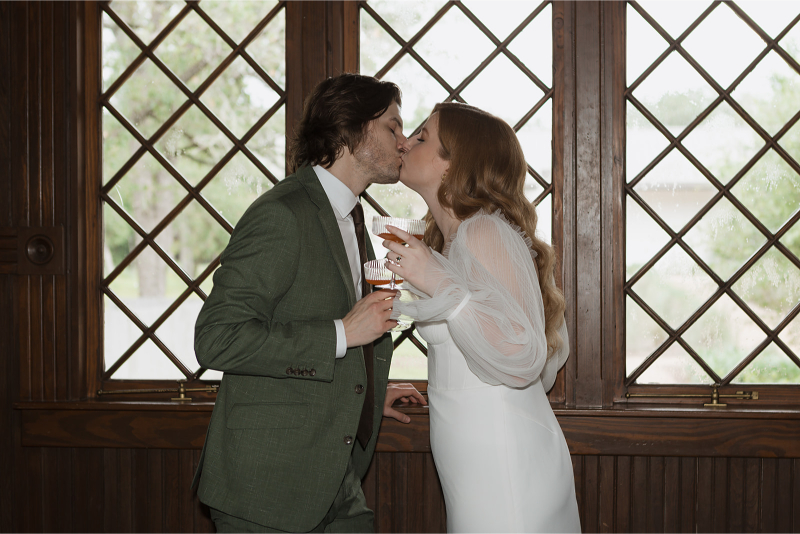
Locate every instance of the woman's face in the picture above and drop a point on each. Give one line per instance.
(423, 166)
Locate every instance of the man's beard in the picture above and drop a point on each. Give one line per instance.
(381, 167)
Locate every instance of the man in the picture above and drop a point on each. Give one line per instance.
(306, 358)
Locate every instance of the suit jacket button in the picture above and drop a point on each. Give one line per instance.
(312, 372)
(305, 372)
(359, 389)
(348, 440)
(289, 370)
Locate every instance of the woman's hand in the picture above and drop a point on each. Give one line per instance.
(410, 260)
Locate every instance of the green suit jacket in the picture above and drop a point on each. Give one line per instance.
(284, 424)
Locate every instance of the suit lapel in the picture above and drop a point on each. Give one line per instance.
(333, 236)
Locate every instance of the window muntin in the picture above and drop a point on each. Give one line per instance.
(712, 287)
(493, 55)
(193, 131)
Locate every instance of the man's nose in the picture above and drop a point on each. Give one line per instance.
(403, 143)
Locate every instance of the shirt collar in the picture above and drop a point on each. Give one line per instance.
(340, 196)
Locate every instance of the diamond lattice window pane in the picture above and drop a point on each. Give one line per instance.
(145, 17)
(239, 97)
(147, 192)
(649, 45)
(236, 186)
(466, 47)
(643, 142)
(382, 46)
(791, 42)
(643, 237)
(675, 366)
(406, 18)
(724, 45)
(723, 142)
(675, 287)
(642, 336)
(503, 90)
(724, 239)
(118, 145)
(791, 336)
(791, 239)
(770, 190)
(502, 16)
(237, 19)
(771, 15)
(119, 239)
(675, 189)
(772, 366)
(193, 239)
(147, 286)
(148, 98)
(791, 142)
(534, 45)
(179, 339)
(193, 50)
(532, 189)
(118, 50)
(148, 363)
(771, 287)
(770, 93)
(408, 363)
(724, 336)
(399, 200)
(674, 21)
(119, 333)
(420, 92)
(269, 49)
(211, 374)
(193, 145)
(544, 224)
(675, 93)
(269, 143)
(536, 139)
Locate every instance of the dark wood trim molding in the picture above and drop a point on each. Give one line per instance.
(691, 432)
(322, 40)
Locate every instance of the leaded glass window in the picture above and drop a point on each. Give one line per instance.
(712, 198)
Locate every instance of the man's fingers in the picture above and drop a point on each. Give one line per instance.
(390, 412)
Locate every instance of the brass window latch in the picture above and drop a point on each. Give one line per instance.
(715, 396)
(181, 390)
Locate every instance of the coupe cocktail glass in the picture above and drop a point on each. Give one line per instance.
(415, 227)
(378, 275)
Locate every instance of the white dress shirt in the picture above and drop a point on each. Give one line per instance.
(343, 201)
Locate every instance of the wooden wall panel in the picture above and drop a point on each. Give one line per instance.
(669, 494)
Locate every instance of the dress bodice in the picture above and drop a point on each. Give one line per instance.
(447, 368)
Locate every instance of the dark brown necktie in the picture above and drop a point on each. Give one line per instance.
(364, 431)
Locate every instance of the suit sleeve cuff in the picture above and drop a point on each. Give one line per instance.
(341, 338)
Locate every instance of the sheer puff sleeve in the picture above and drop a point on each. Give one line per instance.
(488, 291)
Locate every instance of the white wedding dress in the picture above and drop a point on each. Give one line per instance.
(502, 459)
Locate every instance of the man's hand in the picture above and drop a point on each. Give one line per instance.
(369, 318)
(406, 393)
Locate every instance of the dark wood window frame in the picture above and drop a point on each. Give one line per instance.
(588, 152)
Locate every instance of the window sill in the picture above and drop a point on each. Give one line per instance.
(769, 432)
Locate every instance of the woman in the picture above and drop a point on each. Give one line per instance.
(486, 303)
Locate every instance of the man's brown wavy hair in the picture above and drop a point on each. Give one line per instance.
(335, 118)
(487, 172)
